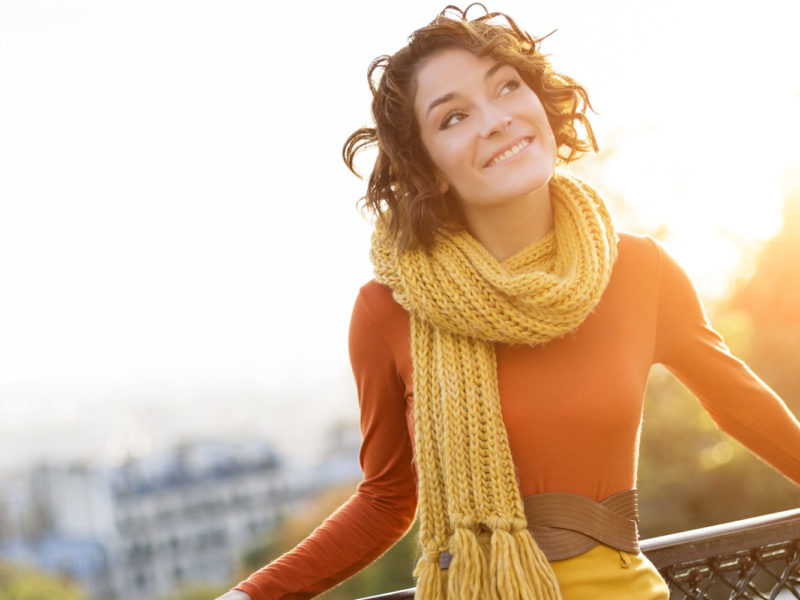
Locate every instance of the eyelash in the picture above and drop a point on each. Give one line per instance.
(446, 123)
(514, 82)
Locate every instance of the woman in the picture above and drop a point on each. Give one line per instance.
(501, 353)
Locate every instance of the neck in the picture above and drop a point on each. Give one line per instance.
(506, 230)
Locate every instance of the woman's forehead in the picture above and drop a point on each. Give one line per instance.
(447, 72)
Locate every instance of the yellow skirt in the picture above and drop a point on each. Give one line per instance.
(604, 572)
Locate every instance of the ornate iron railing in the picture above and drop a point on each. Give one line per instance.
(749, 559)
(752, 559)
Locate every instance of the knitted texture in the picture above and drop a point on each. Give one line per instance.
(461, 301)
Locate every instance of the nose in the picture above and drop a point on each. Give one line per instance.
(495, 120)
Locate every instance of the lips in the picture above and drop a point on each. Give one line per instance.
(509, 152)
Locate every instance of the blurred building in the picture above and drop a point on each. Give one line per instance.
(139, 530)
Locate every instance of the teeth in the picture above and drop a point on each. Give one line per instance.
(508, 153)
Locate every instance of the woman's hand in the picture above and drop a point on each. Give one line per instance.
(234, 595)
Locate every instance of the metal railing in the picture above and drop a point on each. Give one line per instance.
(751, 559)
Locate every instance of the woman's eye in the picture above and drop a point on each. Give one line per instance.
(451, 119)
(509, 86)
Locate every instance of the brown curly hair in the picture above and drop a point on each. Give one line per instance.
(403, 187)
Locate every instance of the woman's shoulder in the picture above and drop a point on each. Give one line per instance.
(375, 292)
(637, 245)
(378, 298)
(642, 263)
(645, 251)
(376, 306)
(641, 254)
(380, 332)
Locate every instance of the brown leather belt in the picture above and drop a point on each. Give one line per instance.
(565, 525)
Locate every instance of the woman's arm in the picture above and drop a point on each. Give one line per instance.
(739, 402)
(384, 505)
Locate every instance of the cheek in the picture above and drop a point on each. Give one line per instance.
(549, 129)
(451, 159)
(548, 136)
(553, 148)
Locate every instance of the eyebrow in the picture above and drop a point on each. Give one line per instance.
(449, 96)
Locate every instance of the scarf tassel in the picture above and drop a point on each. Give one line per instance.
(429, 578)
(467, 575)
(519, 569)
(516, 569)
(536, 566)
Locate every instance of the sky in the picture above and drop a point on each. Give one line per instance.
(180, 247)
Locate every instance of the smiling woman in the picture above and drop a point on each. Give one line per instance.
(501, 353)
(417, 80)
(489, 139)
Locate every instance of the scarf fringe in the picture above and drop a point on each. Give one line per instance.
(519, 569)
(516, 569)
(536, 567)
(467, 576)
(429, 579)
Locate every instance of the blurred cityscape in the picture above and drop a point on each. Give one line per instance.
(146, 527)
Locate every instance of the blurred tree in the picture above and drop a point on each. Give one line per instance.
(771, 300)
(691, 474)
(27, 584)
(390, 572)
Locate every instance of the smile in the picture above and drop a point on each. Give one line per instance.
(513, 151)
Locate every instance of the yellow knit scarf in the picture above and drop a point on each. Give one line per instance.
(461, 301)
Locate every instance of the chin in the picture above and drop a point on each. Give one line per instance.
(530, 185)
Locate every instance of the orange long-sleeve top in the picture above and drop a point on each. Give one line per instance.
(572, 409)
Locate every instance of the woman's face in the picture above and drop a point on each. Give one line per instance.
(485, 130)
